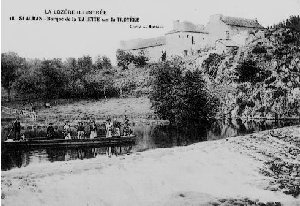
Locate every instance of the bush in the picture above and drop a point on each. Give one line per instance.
(247, 71)
(259, 50)
(211, 64)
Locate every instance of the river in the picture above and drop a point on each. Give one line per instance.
(149, 136)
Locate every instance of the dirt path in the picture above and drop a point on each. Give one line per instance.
(223, 172)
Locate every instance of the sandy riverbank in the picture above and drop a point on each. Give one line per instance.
(262, 167)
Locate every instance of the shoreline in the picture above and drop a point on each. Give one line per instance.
(259, 167)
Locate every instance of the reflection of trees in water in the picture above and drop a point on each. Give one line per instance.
(233, 127)
(65, 154)
(15, 158)
(168, 136)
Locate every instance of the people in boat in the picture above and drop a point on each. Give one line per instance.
(50, 131)
(80, 131)
(93, 129)
(116, 128)
(67, 132)
(108, 127)
(17, 129)
(127, 129)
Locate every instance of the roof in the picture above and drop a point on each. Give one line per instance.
(241, 22)
(186, 26)
(189, 31)
(143, 43)
(227, 42)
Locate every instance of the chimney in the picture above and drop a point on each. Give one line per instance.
(176, 25)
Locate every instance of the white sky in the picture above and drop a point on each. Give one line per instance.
(61, 40)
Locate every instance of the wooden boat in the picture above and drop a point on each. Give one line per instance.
(99, 141)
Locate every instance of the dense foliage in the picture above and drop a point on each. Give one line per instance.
(54, 78)
(124, 59)
(293, 22)
(247, 71)
(11, 64)
(181, 96)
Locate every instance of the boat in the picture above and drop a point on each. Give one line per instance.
(99, 141)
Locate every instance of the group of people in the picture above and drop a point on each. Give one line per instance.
(112, 128)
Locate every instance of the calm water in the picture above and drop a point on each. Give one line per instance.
(148, 137)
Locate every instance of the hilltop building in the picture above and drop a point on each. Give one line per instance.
(221, 33)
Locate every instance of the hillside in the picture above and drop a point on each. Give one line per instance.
(260, 79)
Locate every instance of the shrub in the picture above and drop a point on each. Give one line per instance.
(259, 50)
(248, 71)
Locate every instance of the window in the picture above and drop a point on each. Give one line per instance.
(185, 52)
(193, 42)
(179, 36)
(227, 34)
(187, 36)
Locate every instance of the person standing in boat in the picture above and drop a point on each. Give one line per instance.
(50, 131)
(17, 129)
(93, 129)
(127, 130)
(67, 132)
(116, 130)
(80, 131)
(109, 127)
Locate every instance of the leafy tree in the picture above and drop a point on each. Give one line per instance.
(10, 64)
(140, 60)
(31, 81)
(102, 62)
(293, 22)
(84, 65)
(181, 97)
(53, 77)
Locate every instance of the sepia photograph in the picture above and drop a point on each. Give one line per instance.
(150, 103)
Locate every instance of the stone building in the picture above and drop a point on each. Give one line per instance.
(153, 48)
(221, 33)
(185, 39)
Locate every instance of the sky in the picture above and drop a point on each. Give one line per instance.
(43, 39)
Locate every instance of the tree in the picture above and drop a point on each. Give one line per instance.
(31, 81)
(140, 60)
(53, 77)
(103, 63)
(124, 58)
(10, 64)
(181, 97)
(85, 65)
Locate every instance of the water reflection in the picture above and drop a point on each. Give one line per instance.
(149, 136)
(22, 158)
(236, 127)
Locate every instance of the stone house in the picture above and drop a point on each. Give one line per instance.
(153, 48)
(185, 39)
(222, 33)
